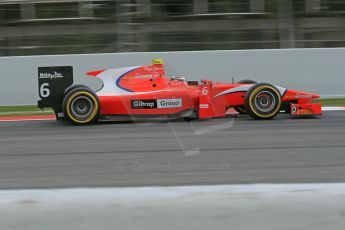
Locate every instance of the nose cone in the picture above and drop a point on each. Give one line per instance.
(314, 96)
(300, 95)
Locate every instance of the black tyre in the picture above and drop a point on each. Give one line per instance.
(263, 101)
(75, 86)
(247, 81)
(81, 106)
(242, 109)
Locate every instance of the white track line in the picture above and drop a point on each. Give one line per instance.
(65, 194)
(266, 207)
(333, 108)
(45, 119)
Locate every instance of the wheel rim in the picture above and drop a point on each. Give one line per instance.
(81, 107)
(265, 101)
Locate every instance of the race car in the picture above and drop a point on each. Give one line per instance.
(146, 92)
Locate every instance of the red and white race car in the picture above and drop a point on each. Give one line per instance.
(145, 92)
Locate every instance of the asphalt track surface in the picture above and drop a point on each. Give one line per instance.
(50, 154)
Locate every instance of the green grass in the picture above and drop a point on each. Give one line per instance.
(27, 110)
(331, 102)
(23, 110)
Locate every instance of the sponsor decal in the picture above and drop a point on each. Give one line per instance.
(154, 104)
(152, 68)
(169, 103)
(203, 106)
(305, 112)
(50, 76)
(299, 96)
(138, 76)
(303, 96)
(144, 104)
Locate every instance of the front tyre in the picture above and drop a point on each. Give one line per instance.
(263, 101)
(241, 109)
(81, 106)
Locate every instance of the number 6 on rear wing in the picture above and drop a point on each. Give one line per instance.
(52, 83)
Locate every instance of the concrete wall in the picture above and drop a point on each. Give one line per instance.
(317, 70)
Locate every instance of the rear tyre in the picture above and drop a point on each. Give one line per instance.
(81, 106)
(242, 109)
(263, 101)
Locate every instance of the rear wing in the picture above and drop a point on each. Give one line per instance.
(52, 83)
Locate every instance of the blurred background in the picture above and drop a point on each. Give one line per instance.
(29, 27)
